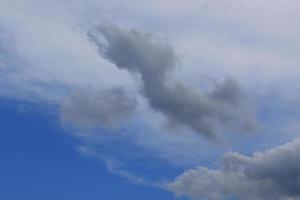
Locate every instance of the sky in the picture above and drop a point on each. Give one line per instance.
(149, 99)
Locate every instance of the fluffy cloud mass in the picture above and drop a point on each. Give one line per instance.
(273, 174)
(88, 107)
(205, 113)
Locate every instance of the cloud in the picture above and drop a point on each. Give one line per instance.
(44, 57)
(153, 60)
(45, 54)
(273, 174)
(88, 107)
(115, 169)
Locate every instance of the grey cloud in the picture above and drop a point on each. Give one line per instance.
(153, 60)
(88, 107)
(273, 174)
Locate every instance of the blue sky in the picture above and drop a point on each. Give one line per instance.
(149, 99)
(39, 161)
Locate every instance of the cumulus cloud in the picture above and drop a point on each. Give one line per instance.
(273, 174)
(88, 107)
(153, 60)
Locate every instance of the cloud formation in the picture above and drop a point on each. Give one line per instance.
(88, 107)
(44, 56)
(273, 174)
(153, 60)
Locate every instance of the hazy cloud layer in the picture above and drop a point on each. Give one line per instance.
(153, 60)
(88, 107)
(273, 174)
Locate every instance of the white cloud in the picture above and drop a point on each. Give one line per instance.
(49, 52)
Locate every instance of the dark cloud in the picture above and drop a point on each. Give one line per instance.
(273, 174)
(153, 60)
(88, 107)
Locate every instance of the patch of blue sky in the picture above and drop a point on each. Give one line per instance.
(39, 161)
